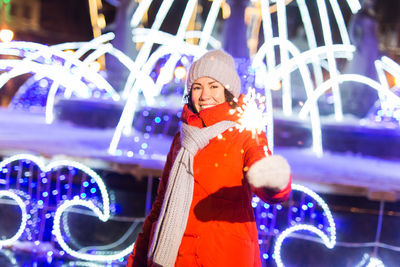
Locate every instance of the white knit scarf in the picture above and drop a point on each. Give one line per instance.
(178, 196)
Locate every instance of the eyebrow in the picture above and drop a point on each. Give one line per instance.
(200, 83)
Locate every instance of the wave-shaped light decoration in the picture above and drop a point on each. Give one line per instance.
(328, 240)
(102, 213)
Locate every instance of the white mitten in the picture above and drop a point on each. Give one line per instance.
(271, 172)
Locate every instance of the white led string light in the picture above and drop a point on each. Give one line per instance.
(328, 241)
(312, 42)
(372, 261)
(127, 234)
(340, 22)
(168, 69)
(209, 24)
(99, 49)
(160, 16)
(375, 262)
(84, 47)
(333, 73)
(270, 59)
(127, 116)
(125, 122)
(303, 58)
(61, 75)
(45, 51)
(343, 78)
(102, 187)
(284, 57)
(10, 256)
(139, 12)
(354, 5)
(124, 125)
(53, 72)
(386, 64)
(85, 264)
(84, 256)
(380, 69)
(24, 217)
(315, 122)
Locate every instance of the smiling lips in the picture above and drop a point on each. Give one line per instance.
(204, 106)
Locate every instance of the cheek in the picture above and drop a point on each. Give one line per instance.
(195, 97)
(220, 97)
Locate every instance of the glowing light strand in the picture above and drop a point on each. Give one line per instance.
(315, 122)
(124, 125)
(284, 57)
(342, 78)
(102, 216)
(84, 47)
(369, 261)
(393, 68)
(340, 22)
(327, 34)
(270, 59)
(209, 24)
(312, 42)
(59, 74)
(328, 241)
(46, 52)
(24, 217)
(139, 12)
(160, 16)
(380, 69)
(168, 69)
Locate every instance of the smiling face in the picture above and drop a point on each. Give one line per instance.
(206, 93)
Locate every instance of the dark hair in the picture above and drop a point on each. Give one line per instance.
(228, 98)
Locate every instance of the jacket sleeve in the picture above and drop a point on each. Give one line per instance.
(268, 175)
(138, 258)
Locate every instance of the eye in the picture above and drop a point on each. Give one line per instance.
(214, 86)
(196, 88)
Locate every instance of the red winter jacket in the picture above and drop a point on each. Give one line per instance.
(221, 229)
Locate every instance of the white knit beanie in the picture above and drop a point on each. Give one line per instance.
(218, 65)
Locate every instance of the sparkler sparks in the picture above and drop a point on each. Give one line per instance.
(252, 116)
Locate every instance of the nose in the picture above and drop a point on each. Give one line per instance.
(205, 93)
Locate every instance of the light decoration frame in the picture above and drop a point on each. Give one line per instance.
(370, 261)
(10, 256)
(329, 241)
(103, 214)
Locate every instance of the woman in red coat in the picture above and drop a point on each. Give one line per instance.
(202, 215)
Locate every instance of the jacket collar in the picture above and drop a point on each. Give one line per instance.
(209, 116)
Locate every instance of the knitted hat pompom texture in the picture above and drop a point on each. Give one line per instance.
(219, 66)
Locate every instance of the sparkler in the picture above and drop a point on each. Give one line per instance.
(252, 116)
